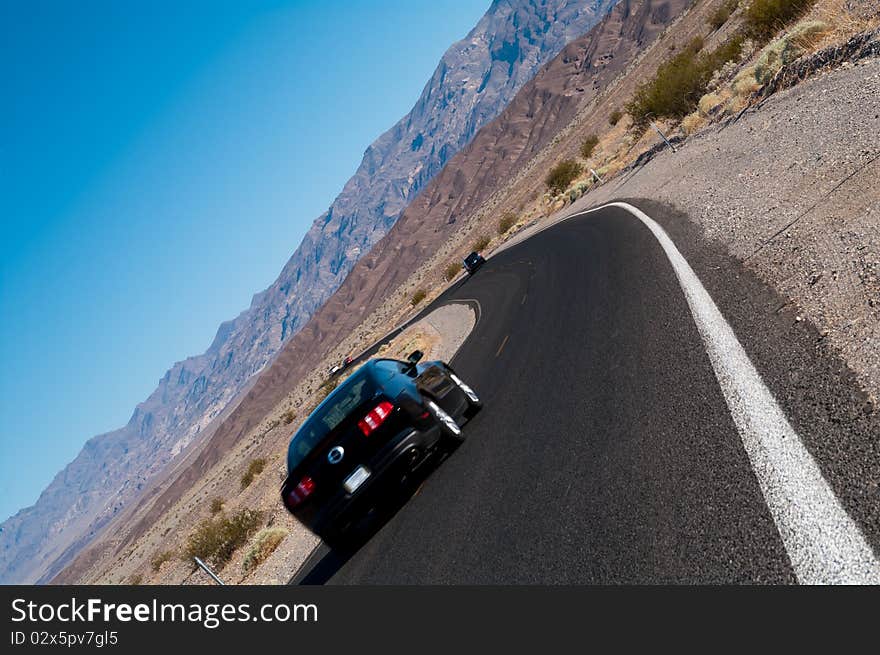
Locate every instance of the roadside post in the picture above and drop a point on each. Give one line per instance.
(596, 176)
(663, 136)
(207, 569)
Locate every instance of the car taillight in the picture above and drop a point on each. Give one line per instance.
(295, 495)
(375, 418)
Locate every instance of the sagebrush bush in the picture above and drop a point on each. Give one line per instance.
(216, 540)
(159, 559)
(480, 243)
(614, 117)
(562, 174)
(720, 16)
(418, 297)
(216, 506)
(451, 270)
(253, 470)
(588, 145)
(136, 579)
(676, 88)
(288, 417)
(507, 221)
(265, 543)
(763, 18)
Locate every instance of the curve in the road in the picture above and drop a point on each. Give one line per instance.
(626, 436)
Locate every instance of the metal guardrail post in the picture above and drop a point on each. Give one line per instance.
(207, 569)
(663, 136)
(596, 176)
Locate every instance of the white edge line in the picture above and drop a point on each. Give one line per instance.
(824, 544)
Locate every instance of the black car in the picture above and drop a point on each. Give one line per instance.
(367, 436)
(473, 261)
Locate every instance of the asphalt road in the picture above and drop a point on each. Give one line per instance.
(606, 451)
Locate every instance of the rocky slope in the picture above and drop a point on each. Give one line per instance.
(472, 84)
(546, 104)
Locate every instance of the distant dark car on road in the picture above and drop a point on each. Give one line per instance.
(367, 436)
(472, 262)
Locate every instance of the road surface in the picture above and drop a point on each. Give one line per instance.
(609, 449)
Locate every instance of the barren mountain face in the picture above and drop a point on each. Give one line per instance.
(473, 83)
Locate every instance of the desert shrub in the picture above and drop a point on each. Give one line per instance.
(136, 579)
(418, 297)
(265, 543)
(288, 416)
(680, 82)
(720, 16)
(480, 243)
(159, 559)
(507, 221)
(563, 174)
(588, 145)
(763, 18)
(253, 470)
(785, 50)
(451, 270)
(216, 505)
(215, 540)
(614, 117)
(692, 122)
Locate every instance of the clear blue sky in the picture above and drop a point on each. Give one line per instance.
(159, 163)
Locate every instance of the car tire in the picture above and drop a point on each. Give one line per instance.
(450, 431)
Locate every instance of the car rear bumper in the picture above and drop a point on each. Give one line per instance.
(402, 455)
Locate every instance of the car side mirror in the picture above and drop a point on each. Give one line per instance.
(415, 357)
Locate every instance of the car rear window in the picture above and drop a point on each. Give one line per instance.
(346, 398)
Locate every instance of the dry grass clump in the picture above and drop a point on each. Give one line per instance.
(562, 175)
(480, 243)
(692, 122)
(288, 416)
(265, 543)
(216, 540)
(786, 49)
(418, 297)
(614, 117)
(588, 145)
(253, 470)
(709, 103)
(452, 269)
(159, 559)
(216, 505)
(136, 579)
(507, 221)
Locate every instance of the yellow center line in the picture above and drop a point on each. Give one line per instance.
(501, 347)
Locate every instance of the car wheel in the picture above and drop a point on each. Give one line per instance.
(473, 400)
(450, 430)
